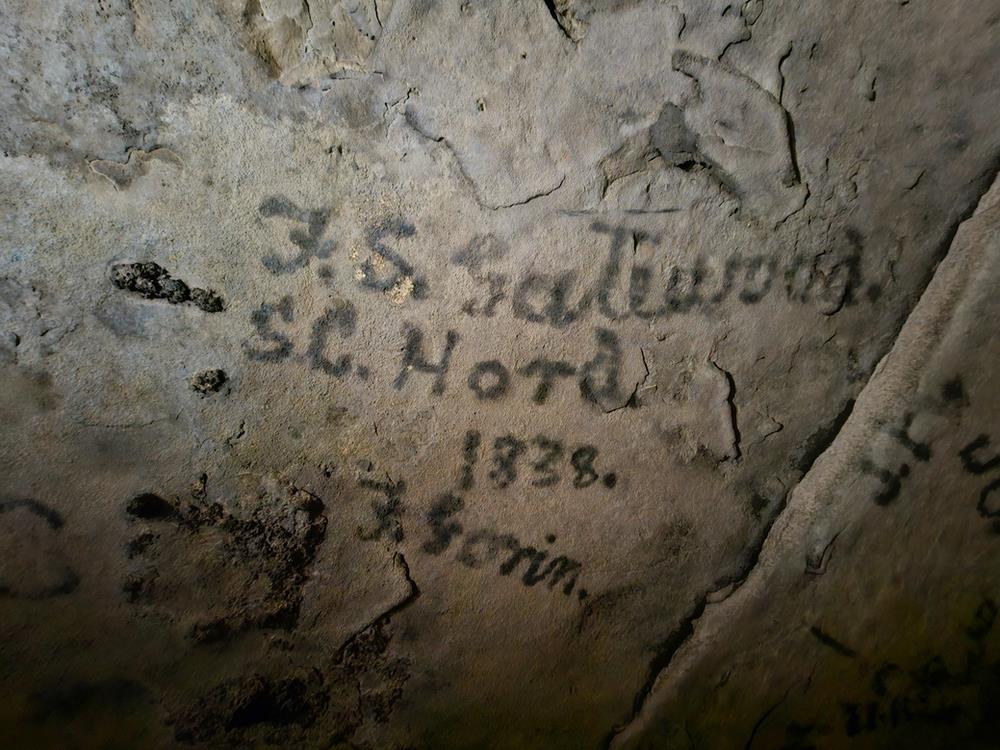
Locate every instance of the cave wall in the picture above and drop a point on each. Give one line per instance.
(470, 374)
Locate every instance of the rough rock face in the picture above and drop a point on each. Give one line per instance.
(536, 374)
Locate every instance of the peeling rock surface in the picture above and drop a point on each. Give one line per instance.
(538, 374)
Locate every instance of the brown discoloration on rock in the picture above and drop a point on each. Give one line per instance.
(252, 559)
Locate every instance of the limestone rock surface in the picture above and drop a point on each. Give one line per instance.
(529, 374)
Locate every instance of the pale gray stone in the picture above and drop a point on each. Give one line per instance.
(573, 353)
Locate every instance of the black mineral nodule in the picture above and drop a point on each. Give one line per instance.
(153, 281)
(209, 381)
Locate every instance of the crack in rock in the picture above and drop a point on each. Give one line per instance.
(815, 448)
